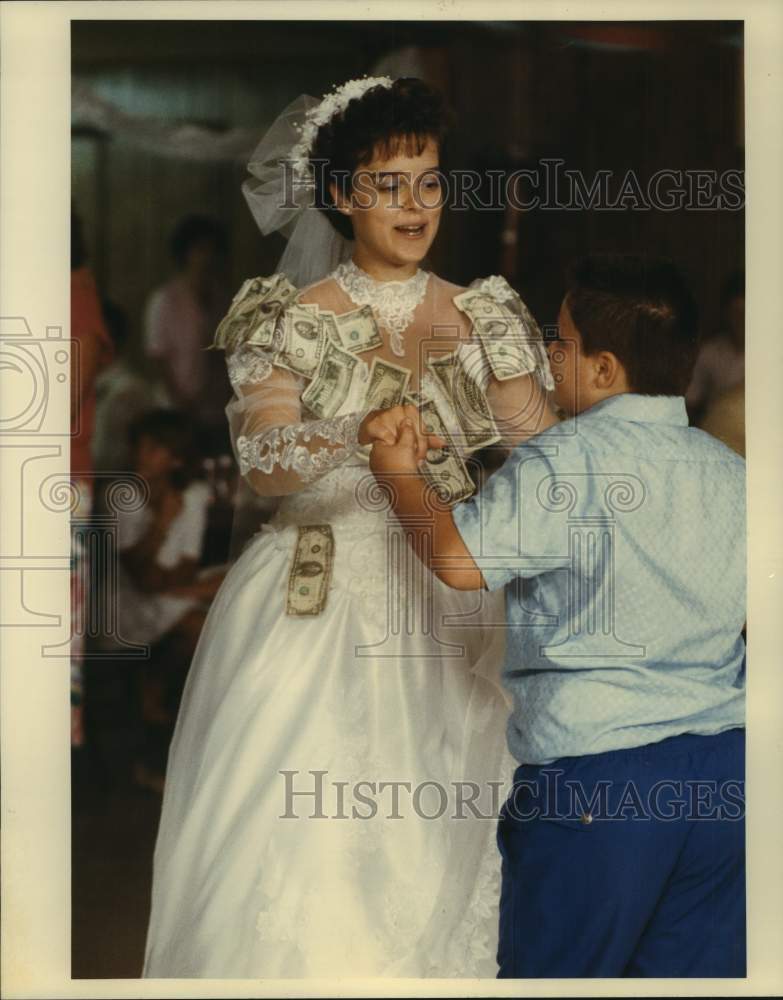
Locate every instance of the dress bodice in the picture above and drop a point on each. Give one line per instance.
(308, 365)
(347, 497)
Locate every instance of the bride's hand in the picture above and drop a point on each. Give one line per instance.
(387, 461)
(403, 457)
(384, 426)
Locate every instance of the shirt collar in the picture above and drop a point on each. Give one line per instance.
(642, 409)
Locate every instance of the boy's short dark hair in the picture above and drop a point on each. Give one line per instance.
(193, 229)
(642, 310)
(175, 431)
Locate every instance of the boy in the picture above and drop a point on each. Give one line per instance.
(619, 536)
(163, 594)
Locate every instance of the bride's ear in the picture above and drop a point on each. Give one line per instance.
(341, 202)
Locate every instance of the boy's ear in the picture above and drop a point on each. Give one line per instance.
(342, 203)
(607, 370)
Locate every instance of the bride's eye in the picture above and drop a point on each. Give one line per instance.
(429, 184)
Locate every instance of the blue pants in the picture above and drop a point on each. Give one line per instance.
(628, 863)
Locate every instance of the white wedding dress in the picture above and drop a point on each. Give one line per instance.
(396, 681)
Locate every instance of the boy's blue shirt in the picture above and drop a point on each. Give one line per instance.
(619, 536)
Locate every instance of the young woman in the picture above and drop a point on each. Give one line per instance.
(329, 799)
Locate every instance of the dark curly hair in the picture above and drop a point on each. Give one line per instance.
(383, 121)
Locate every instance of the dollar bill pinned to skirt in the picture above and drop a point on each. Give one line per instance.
(311, 570)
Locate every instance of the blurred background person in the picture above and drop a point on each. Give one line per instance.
(180, 320)
(716, 395)
(123, 393)
(92, 352)
(725, 418)
(163, 593)
(721, 362)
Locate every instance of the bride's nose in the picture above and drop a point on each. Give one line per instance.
(407, 197)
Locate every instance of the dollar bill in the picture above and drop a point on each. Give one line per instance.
(311, 570)
(460, 381)
(442, 467)
(534, 339)
(254, 312)
(507, 335)
(303, 342)
(386, 385)
(478, 304)
(329, 325)
(358, 330)
(332, 381)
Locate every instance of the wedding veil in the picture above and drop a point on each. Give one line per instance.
(280, 201)
(283, 202)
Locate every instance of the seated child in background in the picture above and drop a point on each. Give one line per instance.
(619, 537)
(162, 595)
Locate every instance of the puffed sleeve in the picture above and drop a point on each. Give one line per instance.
(278, 449)
(514, 365)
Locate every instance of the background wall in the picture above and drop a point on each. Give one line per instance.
(601, 97)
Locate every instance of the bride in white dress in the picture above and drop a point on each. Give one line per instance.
(339, 756)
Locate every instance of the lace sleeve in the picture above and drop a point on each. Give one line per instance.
(278, 451)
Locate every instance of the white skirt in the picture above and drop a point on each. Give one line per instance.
(303, 830)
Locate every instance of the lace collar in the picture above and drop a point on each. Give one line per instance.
(393, 302)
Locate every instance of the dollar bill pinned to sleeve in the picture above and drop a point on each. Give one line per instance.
(386, 385)
(304, 341)
(444, 468)
(339, 377)
(506, 330)
(329, 325)
(311, 570)
(357, 330)
(254, 312)
(459, 377)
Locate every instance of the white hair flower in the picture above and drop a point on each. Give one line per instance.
(333, 103)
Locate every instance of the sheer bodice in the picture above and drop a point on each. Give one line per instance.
(282, 446)
(436, 326)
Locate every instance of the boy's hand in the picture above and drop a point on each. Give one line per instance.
(384, 426)
(401, 457)
(432, 534)
(408, 451)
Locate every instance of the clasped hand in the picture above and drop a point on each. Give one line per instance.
(398, 439)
